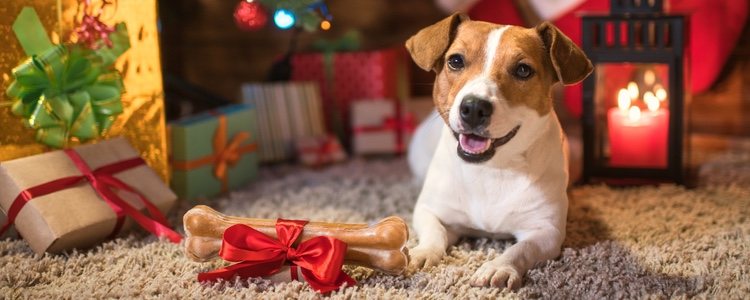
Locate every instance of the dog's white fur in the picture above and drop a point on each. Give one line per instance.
(519, 193)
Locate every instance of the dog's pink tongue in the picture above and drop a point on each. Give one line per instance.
(474, 144)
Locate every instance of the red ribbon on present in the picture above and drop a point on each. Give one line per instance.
(259, 255)
(323, 150)
(405, 124)
(105, 184)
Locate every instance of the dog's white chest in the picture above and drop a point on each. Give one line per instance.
(494, 199)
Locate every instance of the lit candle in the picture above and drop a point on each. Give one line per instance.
(649, 77)
(633, 90)
(652, 103)
(661, 93)
(637, 139)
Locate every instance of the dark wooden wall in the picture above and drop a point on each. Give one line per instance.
(201, 44)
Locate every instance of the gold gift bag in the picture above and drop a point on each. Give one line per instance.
(142, 120)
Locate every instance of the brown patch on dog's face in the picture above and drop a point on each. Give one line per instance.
(470, 41)
(517, 46)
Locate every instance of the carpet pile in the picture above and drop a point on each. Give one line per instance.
(639, 242)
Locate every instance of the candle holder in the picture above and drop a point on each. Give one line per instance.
(634, 128)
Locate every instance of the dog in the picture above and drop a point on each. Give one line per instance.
(494, 157)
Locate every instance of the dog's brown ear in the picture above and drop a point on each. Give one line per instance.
(569, 61)
(430, 44)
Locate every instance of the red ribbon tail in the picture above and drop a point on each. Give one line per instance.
(153, 211)
(150, 225)
(327, 287)
(224, 273)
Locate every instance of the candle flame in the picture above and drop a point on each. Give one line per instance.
(649, 77)
(651, 101)
(633, 90)
(623, 100)
(661, 94)
(634, 114)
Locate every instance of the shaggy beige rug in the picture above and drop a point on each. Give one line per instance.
(645, 242)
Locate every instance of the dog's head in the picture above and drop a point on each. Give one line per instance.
(493, 83)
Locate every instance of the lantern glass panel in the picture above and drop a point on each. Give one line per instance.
(632, 106)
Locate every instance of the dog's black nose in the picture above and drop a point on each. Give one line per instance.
(475, 112)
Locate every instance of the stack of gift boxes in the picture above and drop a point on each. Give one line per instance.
(84, 161)
(363, 94)
(77, 192)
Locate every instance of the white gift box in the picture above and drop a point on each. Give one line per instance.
(378, 128)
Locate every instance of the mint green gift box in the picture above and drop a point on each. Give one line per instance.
(214, 152)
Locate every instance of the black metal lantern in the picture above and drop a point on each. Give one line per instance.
(634, 126)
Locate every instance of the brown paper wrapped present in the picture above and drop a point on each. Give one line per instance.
(81, 212)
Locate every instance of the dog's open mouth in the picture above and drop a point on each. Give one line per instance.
(474, 148)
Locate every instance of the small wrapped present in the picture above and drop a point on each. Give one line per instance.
(78, 197)
(214, 152)
(287, 111)
(380, 128)
(320, 151)
(346, 76)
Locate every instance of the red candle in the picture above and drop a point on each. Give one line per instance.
(637, 139)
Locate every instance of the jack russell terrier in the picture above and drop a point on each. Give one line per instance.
(497, 166)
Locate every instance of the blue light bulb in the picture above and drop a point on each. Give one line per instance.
(283, 19)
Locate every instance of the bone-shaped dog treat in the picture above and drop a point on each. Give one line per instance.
(381, 246)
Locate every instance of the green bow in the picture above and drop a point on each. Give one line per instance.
(66, 91)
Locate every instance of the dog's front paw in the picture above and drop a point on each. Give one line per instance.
(497, 275)
(423, 257)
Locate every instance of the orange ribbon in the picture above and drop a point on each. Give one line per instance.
(226, 154)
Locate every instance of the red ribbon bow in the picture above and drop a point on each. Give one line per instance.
(259, 255)
(103, 182)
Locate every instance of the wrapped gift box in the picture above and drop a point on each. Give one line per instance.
(214, 151)
(75, 216)
(142, 121)
(287, 111)
(320, 151)
(347, 76)
(379, 127)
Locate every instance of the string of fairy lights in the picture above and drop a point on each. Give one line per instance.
(309, 15)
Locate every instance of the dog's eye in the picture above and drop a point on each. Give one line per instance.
(455, 62)
(523, 71)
